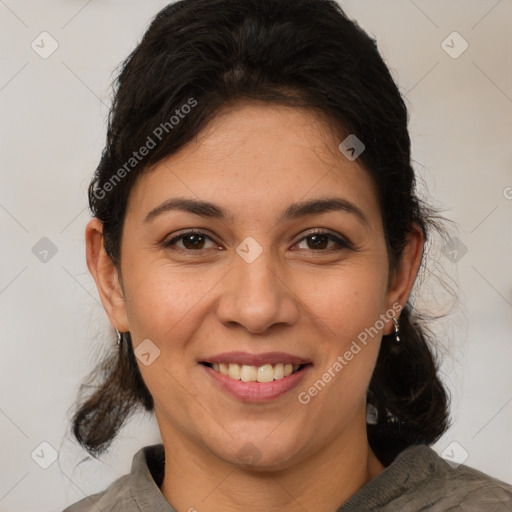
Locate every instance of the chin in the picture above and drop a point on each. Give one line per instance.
(260, 456)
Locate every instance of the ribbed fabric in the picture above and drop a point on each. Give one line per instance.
(418, 480)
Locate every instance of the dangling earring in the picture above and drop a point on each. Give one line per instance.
(397, 330)
(119, 338)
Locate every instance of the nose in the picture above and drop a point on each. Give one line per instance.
(256, 295)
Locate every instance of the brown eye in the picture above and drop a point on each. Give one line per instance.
(317, 241)
(320, 242)
(190, 241)
(193, 241)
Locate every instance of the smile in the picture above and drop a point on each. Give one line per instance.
(249, 373)
(251, 377)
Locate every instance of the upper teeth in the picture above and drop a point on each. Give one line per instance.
(265, 373)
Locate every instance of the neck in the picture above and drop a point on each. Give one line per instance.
(197, 480)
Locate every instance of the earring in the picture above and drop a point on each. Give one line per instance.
(372, 414)
(397, 330)
(119, 338)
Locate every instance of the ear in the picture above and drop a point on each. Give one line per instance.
(106, 276)
(403, 278)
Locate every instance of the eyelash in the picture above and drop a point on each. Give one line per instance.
(343, 244)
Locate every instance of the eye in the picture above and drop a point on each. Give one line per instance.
(191, 241)
(319, 240)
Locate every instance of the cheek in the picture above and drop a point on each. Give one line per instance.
(162, 307)
(347, 309)
(350, 300)
(161, 301)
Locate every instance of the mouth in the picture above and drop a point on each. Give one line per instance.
(250, 377)
(250, 373)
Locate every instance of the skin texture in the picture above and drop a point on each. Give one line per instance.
(255, 160)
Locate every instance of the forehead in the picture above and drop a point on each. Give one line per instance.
(257, 158)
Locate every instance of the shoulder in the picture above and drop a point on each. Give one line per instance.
(116, 497)
(132, 492)
(449, 486)
(420, 480)
(471, 489)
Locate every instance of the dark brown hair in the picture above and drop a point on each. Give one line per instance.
(204, 54)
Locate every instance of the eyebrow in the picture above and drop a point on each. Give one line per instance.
(294, 211)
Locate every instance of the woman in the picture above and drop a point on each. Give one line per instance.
(255, 240)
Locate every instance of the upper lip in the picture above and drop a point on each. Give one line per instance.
(255, 359)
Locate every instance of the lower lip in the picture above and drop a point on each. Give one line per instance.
(258, 391)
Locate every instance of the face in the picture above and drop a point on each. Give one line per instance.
(255, 287)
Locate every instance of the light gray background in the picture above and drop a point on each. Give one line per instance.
(53, 115)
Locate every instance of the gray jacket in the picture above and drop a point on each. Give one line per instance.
(417, 480)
